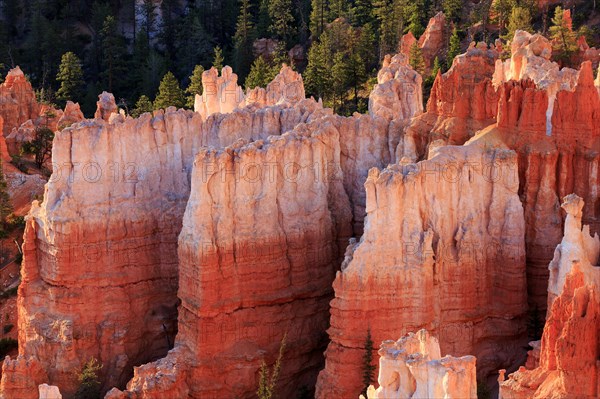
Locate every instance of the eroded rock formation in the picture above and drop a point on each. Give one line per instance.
(219, 93)
(17, 100)
(413, 367)
(398, 93)
(431, 42)
(424, 260)
(570, 348)
(462, 102)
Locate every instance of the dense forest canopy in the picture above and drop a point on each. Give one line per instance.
(74, 49)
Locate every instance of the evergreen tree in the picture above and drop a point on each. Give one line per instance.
(169, 27)
(264, 20)
(148, 11)
(218, 58)
(243, 39)
(339, 77)
(40, 146)
(565, 42)
(89, 386)
(318, 17)
(437, 66)
(452, 9)
(388, 39)
(194, 44)
(416, 60)
(169, 93)
(318, 74)
(70, 76)
(337, 9)
(195, 86)
(520, 19)
(368, 367)
(415, 24)
(142, 105)
(362, 12)
(502, 9)
(282, 20)
(454, 48)
(260, 74)
(114, 55)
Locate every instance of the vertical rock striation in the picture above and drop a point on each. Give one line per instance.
(570, 347)
(431, 259)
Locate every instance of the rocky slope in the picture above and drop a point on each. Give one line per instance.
(568, 365)
(429, 259)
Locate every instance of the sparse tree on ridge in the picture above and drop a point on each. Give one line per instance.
(169, 93)
(195, 86)
(70, 76)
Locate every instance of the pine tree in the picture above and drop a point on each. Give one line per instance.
(169, 93)
(148, 11)
(565, 42)
(416, 60)
(218, 58)
(142, 105)
(502, 9)
(89, 386)
(452, 9)
(437, 66)
(318, 71)
(318, 17)
(454, 48)
(70, 76)
(368, 367)
(259, 75)
(243, 39)
(388, 38)
(113, 51)
(195, 86)
(339, 77)
(363, 12)
(337, 9)
(282, 20)
(415, 24)
(520, 19)
(264, 20)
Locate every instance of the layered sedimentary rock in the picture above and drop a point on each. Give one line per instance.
(100, 271)
(17, 100)
(550, 117)
(462, 101)
(570, 348)
(431, 259)
(49, 392)
(255, 266)
(398, 93)
(413, 367)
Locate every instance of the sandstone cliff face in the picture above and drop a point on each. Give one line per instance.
(255, 265)
(462, 101)
(413, 367)
(105, 286)
(17, 100)
(568, 366)
(431, 42)
(424, 260)
(398, 93)
(550, 118)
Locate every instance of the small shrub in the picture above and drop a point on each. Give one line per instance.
(6, 345)
(7, 328)
(89, 386)
(268, 380)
